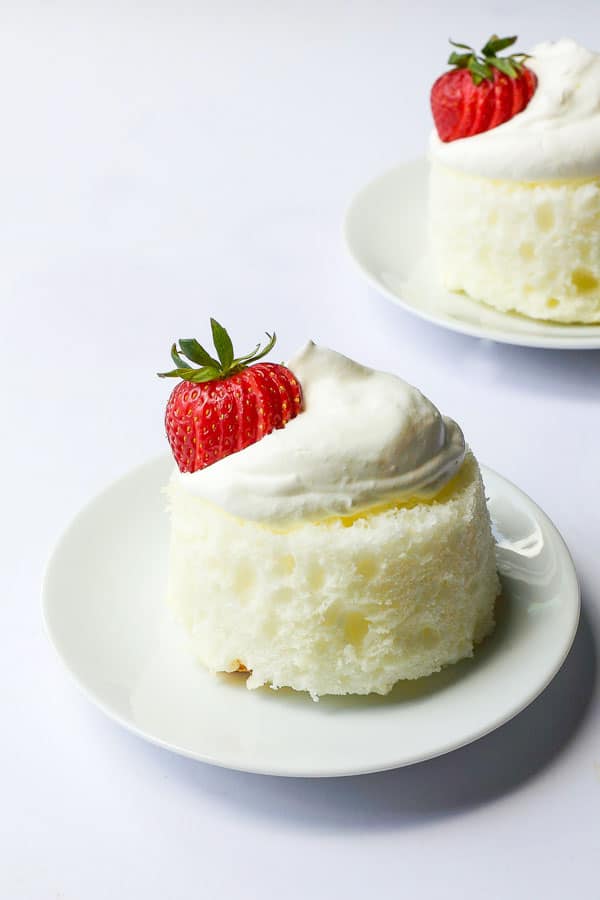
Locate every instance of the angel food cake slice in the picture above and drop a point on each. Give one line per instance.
(514, 200)
(347, 547)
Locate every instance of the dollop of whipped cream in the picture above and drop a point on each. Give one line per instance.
(363, 438)
(556, 136)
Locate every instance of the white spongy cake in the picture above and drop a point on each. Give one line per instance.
(345, 605)
(527, 247)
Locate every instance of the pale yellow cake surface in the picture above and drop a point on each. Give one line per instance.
(526, 247)
(341, 606)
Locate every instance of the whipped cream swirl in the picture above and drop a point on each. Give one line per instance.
(556, 136)
(363, 438)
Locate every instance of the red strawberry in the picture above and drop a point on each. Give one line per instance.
(481, 92)
(227, 403)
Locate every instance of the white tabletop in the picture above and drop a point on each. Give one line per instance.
(166, 162)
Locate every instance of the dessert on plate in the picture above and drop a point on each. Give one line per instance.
(329, 526)
(514, 201)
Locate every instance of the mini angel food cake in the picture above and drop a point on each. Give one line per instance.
(338, 554)
(515, 179)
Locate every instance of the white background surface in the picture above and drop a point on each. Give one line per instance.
(166, 162)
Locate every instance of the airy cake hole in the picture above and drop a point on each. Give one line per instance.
(526, 251)
(583, 280)
(355, 628)
(544, 216)
(366, 566)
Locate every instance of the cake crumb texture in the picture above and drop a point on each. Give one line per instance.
(526, 247)
(336, 607)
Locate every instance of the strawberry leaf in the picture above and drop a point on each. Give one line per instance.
(255, 356)
(179, 362)
(460, 60)
(198, 376)
(223, 344)
(196, 353)
(246, 358)
(177, 373)
(210, 369)
(505, 65)
(479, 70)
(495, 44)
(482, 67)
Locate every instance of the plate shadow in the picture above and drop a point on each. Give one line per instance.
(416, 795)
(572, 373)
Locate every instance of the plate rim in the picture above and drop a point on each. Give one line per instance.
(283, 770)
(541, 342)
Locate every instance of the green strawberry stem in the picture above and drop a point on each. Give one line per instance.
(207, 367)
(482, 67)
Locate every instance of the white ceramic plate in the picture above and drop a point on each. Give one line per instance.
(385, 230)
(104, 610)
